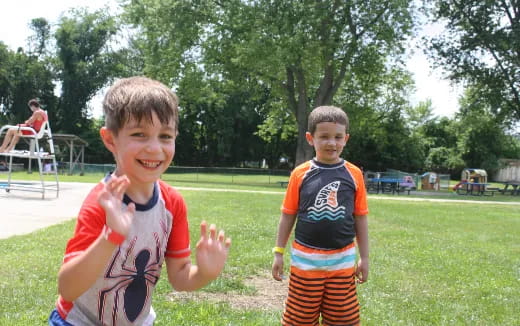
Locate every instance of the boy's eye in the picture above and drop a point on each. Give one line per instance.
(166, 136)
(137, 134)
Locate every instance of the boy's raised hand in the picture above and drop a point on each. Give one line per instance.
(212, 251)
(118, 218)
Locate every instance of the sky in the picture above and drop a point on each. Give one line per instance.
(429, 82)
(15, 17)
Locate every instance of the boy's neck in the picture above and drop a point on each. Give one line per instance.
(140, 193)
(315, 159)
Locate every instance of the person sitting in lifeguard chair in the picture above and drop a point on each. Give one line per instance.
(36, 121)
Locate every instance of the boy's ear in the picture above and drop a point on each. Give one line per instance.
(108, 138)
(347, 136)
(309, 138)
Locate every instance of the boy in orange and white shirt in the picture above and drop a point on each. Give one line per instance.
(326, 198)
(132, 223)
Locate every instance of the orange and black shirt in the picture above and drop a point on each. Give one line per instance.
(326, 198)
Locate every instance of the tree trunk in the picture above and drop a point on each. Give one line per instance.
(324, 95)
(304, 151)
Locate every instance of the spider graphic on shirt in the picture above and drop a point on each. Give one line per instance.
(133, 281)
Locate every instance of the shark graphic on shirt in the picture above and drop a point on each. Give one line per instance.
(326, 204)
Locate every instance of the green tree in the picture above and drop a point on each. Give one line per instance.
(302, 51)
(380, 134)
(217, 126)
(420, 115)
(481, 47)
(85, 64)
(436, 137)
(482, 138)
(279, 133)
(38, 42)
(4, 83)
(383, 141)
(440, 137)
(23, 77)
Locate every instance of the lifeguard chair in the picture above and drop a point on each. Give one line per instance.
(36, 151)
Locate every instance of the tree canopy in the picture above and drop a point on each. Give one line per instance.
(84, 63)
(249, 72)
(301, 51)
(481, 47)
(22, 77)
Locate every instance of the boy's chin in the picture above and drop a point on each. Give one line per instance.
(146, 175)
(144, 179)
(328, 159)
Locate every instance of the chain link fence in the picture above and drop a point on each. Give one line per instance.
(246, 176)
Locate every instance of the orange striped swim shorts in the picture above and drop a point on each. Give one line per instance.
(322, 284)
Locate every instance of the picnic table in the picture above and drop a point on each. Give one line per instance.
(514, 190)
(389, 185)
(475, 189)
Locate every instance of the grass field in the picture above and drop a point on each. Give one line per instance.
(263, 182)
(212, 180)
(431, 264)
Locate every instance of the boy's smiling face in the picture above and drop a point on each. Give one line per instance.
(328, 141)
(143, 150)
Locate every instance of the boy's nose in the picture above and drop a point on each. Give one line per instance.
(153, 145)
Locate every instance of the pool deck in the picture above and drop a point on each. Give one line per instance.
(22, 212)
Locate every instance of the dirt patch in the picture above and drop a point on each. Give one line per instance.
(270, 295)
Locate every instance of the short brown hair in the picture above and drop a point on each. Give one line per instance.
(137, 98)
(327, 114)
(33, 102)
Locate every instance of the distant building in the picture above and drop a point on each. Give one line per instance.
(510, 171)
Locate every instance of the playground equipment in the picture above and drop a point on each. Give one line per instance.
(430, 181)
(473, 182)
(474, 175)
(408, 182)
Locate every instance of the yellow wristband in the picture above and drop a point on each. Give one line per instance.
(279, 250)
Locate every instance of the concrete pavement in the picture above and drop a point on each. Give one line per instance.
(22, 212)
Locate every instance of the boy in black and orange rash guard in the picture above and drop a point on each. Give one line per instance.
(326, 197)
